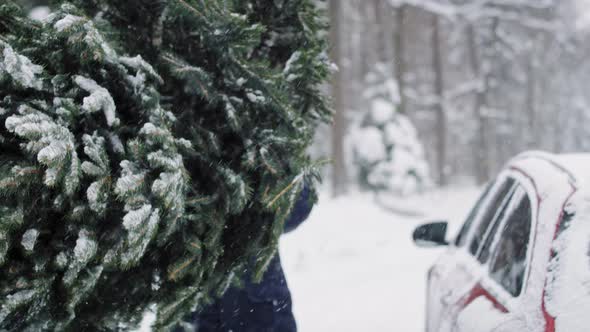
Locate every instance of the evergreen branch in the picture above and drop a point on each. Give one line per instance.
(295, 181)
(226, 99)
(195, 201)
(158, 32)
(269, 167)
(186, 68)
(265, 88)
(190, 8)
(174, 273)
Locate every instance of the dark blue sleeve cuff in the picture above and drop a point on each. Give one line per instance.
(301, 210)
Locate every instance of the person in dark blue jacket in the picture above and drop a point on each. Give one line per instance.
(263, 307)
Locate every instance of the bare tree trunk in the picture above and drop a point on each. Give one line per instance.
(531, 121)
(380, 30)
(481, 148)
(441, 119)
(339, 168)
(356, 66)
(399, 55)
(561, 121)
(367, 39)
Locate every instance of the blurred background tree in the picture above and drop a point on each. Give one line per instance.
(480, 80)
(30, 4)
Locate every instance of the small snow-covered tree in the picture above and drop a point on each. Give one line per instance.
(149, 150)
(385, 145)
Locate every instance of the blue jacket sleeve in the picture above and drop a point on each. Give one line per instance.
(301, 210)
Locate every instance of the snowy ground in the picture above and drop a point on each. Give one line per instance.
(353, 267)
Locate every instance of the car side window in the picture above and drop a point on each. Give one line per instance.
(508, 263)
(461, 238)
(491, 211)
(492, 234)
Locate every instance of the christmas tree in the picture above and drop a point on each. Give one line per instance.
(149, 150)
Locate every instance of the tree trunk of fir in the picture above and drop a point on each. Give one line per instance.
(481, 148)
(338, 130)
(399, 59)
(531, 114)
(365, 41)
(380, 26)
(441, 119)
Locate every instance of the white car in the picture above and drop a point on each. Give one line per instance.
(521, 260)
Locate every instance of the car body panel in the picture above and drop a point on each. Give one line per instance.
(461, 292)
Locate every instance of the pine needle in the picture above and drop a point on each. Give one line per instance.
(286, 190)
(190, 8)
(172, 275)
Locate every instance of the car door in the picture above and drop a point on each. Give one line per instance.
(463, 283)
(450, 276)
(439, 273)
(504, 258)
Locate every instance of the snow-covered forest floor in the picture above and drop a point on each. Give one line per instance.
(353, 267)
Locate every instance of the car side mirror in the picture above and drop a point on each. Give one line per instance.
(431, 235)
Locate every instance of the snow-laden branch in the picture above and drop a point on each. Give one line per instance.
(494, 113)
(528, 21)
(421, 99)
(537, 4)
(464, 89)
(446, 10)
(504, 10)
(448, 96)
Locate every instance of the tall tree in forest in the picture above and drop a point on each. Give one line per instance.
(399, 47)
(481, 146)
(506, 65)
(381, 27)
(439, 107)
(339, 177)
(497, 53)
(28, 4)
(150, 149)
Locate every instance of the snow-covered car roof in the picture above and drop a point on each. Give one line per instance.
(575, 166)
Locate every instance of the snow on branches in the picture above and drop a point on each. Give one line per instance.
(516, 11)
(20, 68)
(99, 100)
(53, 145)
(57, 134)
(148, 174)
